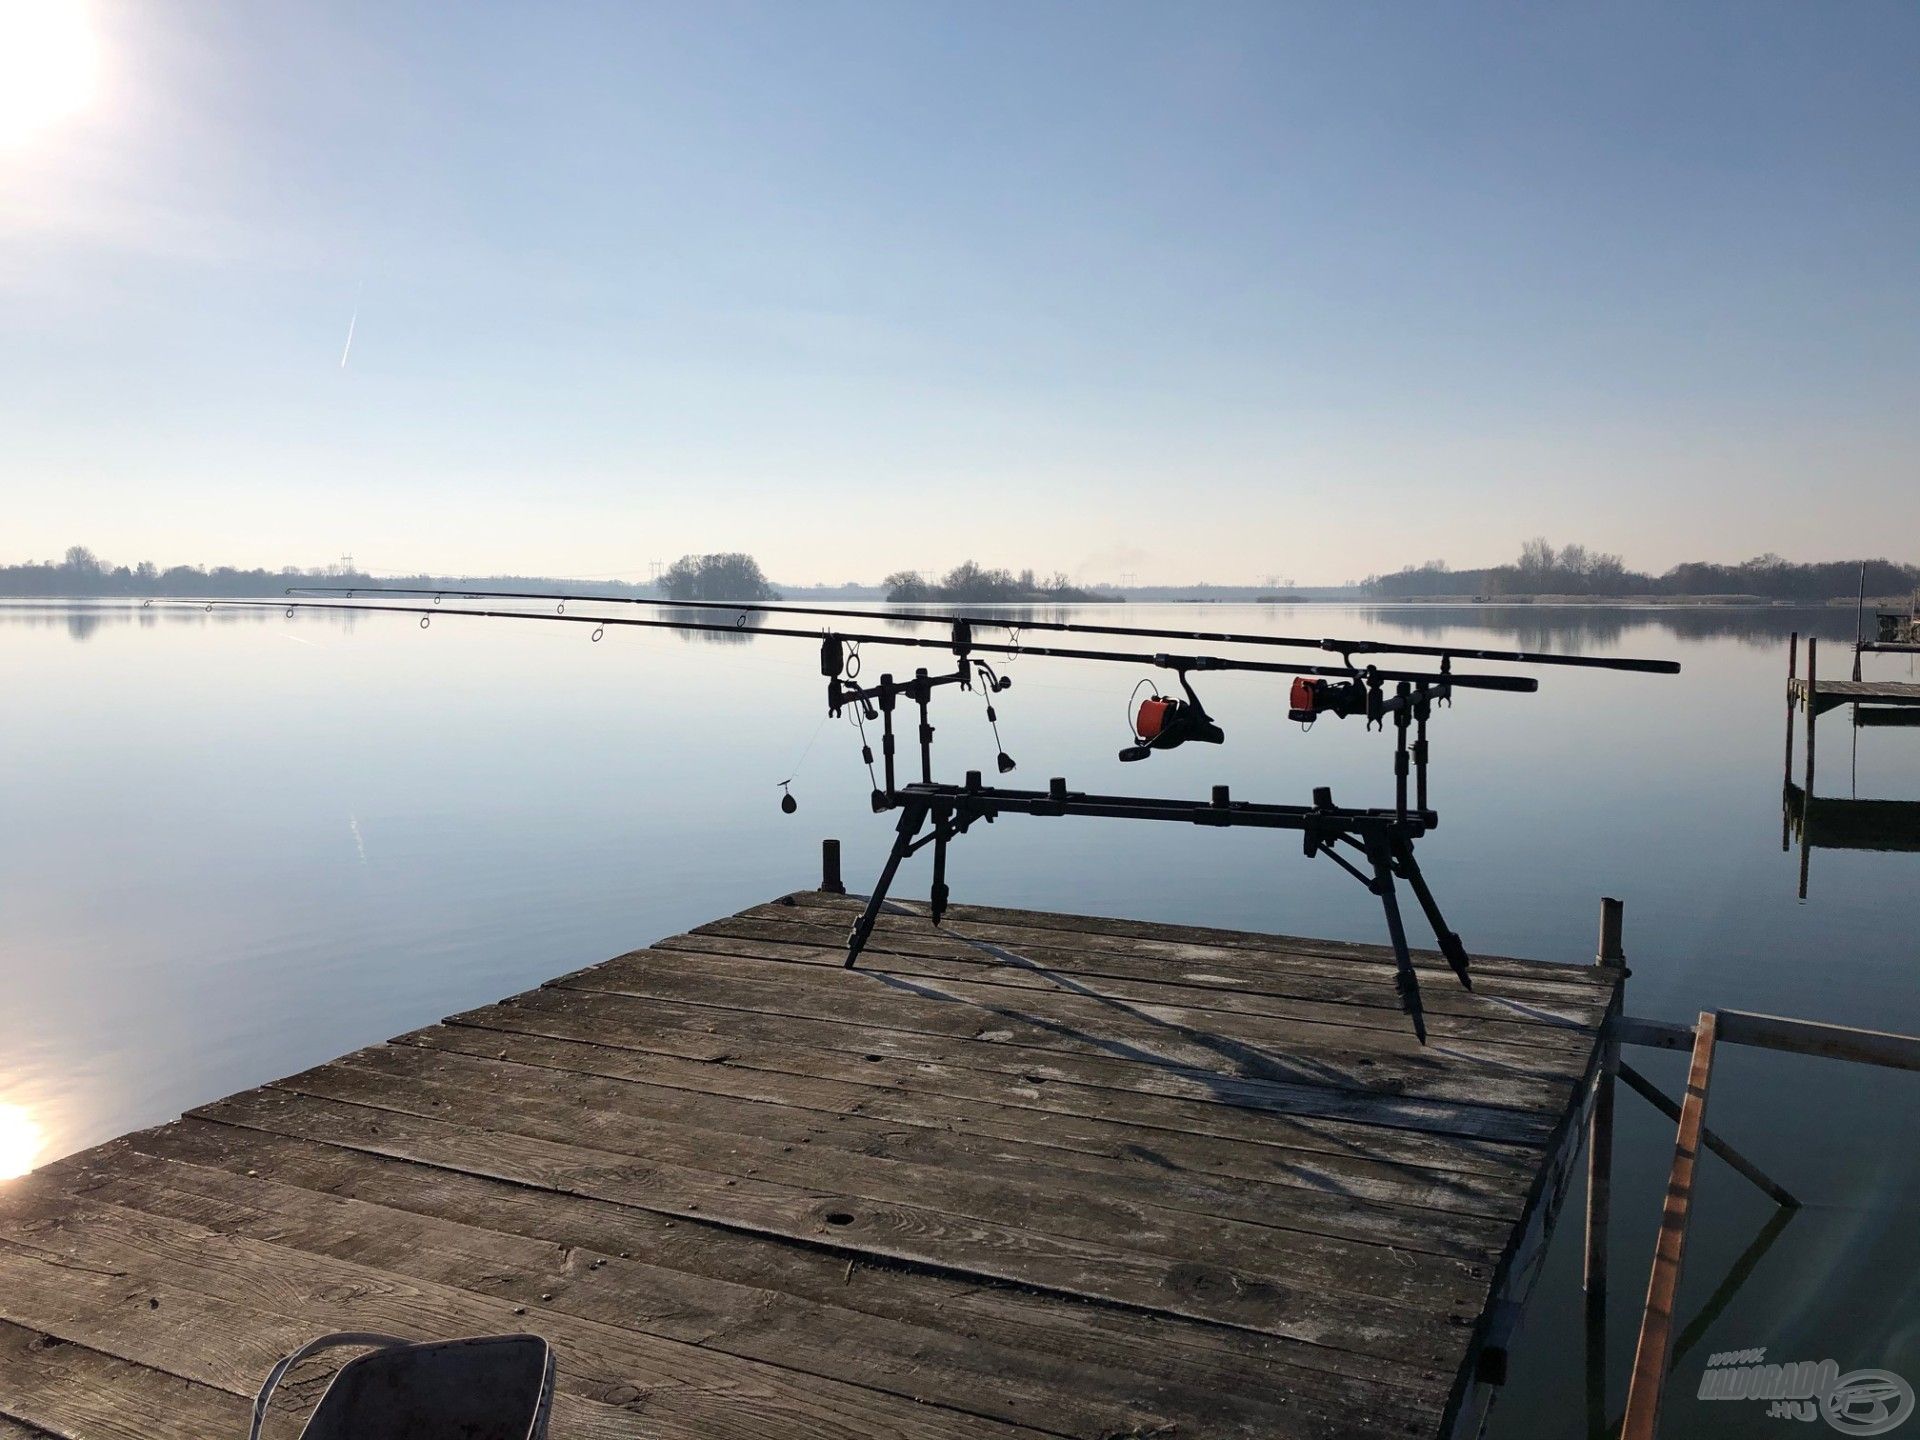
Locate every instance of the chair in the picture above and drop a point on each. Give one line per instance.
(489, 1387)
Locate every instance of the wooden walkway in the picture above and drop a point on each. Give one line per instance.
(1832, 693)
(1026, 1175)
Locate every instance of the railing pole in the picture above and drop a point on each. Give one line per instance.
(1651, 1355)
(1653, 1095)
(1611, 957)
(1813, 706)
(1793, 666)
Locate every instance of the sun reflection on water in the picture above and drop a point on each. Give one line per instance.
(20, 1141)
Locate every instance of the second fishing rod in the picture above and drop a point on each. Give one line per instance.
(1330, 645)
(960, 642)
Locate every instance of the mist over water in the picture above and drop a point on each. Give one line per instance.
(237, 844)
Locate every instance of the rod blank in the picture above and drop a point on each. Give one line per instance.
(1080, 627)
(1513, 684)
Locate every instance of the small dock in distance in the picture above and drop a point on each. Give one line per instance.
(1024, 1175)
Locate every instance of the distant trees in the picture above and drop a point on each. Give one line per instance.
(971, 583)
(730, 575)
(1575, 570)
(908, 585)
(1414, 582)
(81, 572)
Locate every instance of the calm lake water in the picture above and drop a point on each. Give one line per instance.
(239, 844)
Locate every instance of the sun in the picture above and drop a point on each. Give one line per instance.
(49, 65)
(20, 1141)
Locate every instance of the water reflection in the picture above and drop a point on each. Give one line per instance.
(718, 628)
(1584, 629)
(21, 1141)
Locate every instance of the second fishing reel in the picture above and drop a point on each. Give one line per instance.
(1164, 722)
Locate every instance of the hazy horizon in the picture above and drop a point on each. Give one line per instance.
(1312, 291)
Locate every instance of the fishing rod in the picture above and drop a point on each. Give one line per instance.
(1079, 627)
(1515, 684)
(1374, 845)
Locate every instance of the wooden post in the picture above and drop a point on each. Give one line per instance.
(830, 868)
(1611, 957)
(1859, 621)
(1613, 914)
(1645, 1388)
(1806, 790)
(1793, 665)
(1813, 707)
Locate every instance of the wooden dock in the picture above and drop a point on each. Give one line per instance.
(1831, 694)
(1024, 1175)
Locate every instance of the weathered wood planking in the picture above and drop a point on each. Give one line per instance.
(1829, 693)
(1023, 1175)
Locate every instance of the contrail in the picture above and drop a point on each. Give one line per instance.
(352, 320)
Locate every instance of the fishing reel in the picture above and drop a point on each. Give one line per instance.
(1163, 722)
(1314, 696)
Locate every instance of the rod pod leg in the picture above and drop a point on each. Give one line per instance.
(1404, 980)
(911, 818)
(1450, 943)
(937, 896)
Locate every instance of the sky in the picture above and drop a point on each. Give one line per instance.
(1175, 292)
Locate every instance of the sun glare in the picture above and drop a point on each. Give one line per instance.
(49, 69)
(20, 1142)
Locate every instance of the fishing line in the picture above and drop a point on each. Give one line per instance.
(787, 802)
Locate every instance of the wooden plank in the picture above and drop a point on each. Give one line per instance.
(768, 1116)
(969, 1374)
(1813, 1037)
(1079, 1335)
(1745, 1167)
(1341, 1333)
(184, 1389)
(1251, 958)
(1275, 976)
(111, 1310)
(690, 1393)
(1027, 1213)
(1361, 1027)
(1646, 1387)
(876, 1092)
(1655, 1034)
(1251, 1116)
(1460, 1014)
(1215, 937)
(51, 1386)
(1220, 1093)
(1355, 1060)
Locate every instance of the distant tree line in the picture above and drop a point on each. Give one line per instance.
(81, 572)
(973, 584)
(1575, 570)
(726, 576)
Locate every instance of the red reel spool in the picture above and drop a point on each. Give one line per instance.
(1155, 711)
